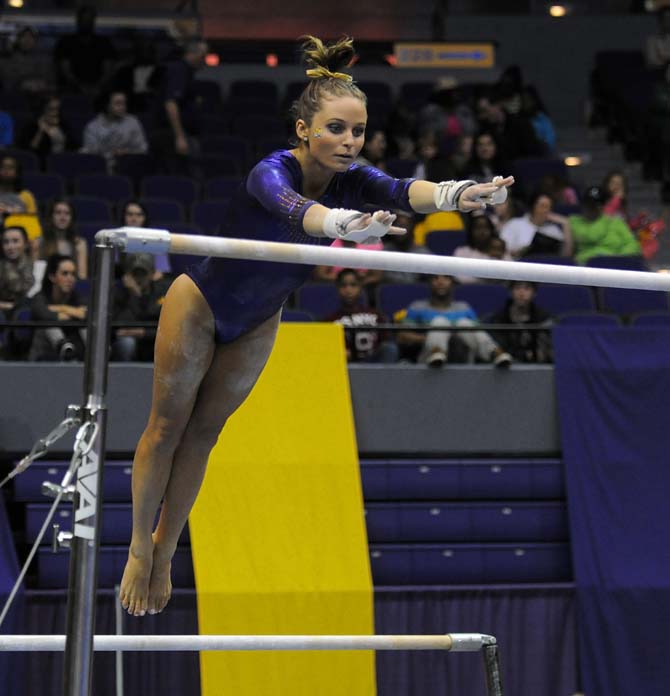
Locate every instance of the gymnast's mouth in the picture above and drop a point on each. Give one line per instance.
(345, 158)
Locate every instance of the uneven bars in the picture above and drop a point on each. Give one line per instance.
(453, 642)
(154, 241)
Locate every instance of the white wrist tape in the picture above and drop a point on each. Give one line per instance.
(340, 223)
(447, 193)
(499, 196)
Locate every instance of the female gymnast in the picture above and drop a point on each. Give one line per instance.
(219, 320)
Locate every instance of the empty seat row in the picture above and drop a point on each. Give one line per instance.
(386, 522)
(392, 564)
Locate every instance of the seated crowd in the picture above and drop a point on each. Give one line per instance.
(452, 132)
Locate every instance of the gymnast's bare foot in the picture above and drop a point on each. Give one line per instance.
(134, 593)
(160, 585)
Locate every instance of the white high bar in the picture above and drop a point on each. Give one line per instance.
(153, 241)
(454, 642)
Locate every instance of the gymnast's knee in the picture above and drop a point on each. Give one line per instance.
(201, 434)
(163, 435)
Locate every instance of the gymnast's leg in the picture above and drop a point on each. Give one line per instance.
(183, 353)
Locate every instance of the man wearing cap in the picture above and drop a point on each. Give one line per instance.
(595, 234)
(137, 298)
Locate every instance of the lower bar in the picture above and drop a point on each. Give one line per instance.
(455, 642)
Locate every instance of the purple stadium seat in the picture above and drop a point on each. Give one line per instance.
(661, 319)
(88, 209)
(163, 210)
(176, 188)
(319, 300)
(557, 299)
(262, 90)
(443, 242)
(401, 168)
(135, 167)
(484, 299)
(589, 319)
(113, 188)
(73, 164)
(207, 95)
(553, 260)
(519, 563)
(28, 160)
(621, 301)
(88, 230)
(212, 166)
(221, 187)
(44, 186)
(621, 263)
(230, 146)
(209, 215)
(392, 297)
(293, 315)
(251, 126)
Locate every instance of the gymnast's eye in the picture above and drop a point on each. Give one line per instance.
(335, 127)
(359, 131)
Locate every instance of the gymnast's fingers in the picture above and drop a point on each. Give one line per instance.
(397, 230)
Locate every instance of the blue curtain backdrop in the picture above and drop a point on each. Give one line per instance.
(613, 388)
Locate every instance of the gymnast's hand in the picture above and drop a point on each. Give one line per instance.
(363, 228)
(478, 196)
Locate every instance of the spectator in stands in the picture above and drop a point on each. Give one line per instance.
(403, 243)
(27, 69)
(48, 134)
(524, 345)
(509, 89)
(614, 189)
(505, 211)
(461, 155)
(486, 162)
(533, 108)
(138, 298)
(497, 249)
(177, 102)
(370, 345)
(139, 77)
(84, 60)
(539, 232)
(373, 153)
(134, 214)
(596, 234)
(17, 205)
(559, 189)
(658, 45)
(446, 115)
(59, 236)
(441, 310)
(480, 232)
(58, 301)
(16, 269)
(513, 133)
(114, 132)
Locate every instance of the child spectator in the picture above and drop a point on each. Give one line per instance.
(59, 236)
(540, 231)
(138, 298)
(524, 345)
(369, 345)
(596, 234)
(17, 205)
(480, 233)
(114, 132)
(441, 310)
(58, 301)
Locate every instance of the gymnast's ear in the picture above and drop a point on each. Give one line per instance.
(301, 129)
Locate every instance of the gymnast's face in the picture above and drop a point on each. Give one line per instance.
(337, 132)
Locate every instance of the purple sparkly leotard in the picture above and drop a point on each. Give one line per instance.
(269, 206)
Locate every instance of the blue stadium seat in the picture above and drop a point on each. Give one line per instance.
(44, 186)
(621, 263)
(251, 126)
(621, 301)
(88, 209)
(553, 260)
(209, 214)
(557, 299)
(212, 166)
(163, 211)
(27, 159)
(483, 298)
(392, 297)
(221, 187)
(52, 569)
(589, 319)
(113, 188)
(444, 242)
(177, 188)
(651, 319)
(135, 167)
(207, 95)
(319, 300)
(215, 124)
(88, 230)
(229, 146)
(70, 165)
(292, 315)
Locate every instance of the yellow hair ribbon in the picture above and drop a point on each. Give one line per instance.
(316, 73)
